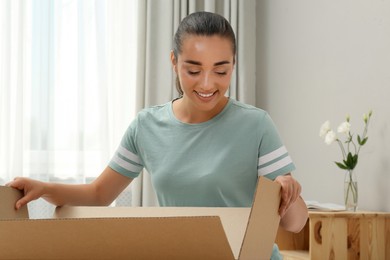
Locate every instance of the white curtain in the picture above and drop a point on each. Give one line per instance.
(14, 71)
(67, 80)
(157, 23)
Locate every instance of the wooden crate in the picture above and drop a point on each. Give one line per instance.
(339, 235)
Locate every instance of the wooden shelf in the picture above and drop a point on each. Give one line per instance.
(339, 235)
(295, 254)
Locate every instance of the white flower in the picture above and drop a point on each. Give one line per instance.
(344, 128)
(330, 137)
(350, 147)
(325, 128)
(365, 118)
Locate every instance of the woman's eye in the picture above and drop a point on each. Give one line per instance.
(193, 72)
(221, 73)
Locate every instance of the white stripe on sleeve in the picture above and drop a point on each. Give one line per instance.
(126, 165)
(129, 155)
(275, 166)
(272, 155)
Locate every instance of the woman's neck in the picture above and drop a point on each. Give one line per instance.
(188, 113)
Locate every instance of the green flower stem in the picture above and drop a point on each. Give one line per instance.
(342, 148)
(351, 141)
(351, 189)
(365, 131)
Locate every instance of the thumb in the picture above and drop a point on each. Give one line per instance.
(22, 202)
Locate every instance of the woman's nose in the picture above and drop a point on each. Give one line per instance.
(206, 82)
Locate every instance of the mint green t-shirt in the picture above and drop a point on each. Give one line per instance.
(210, 164)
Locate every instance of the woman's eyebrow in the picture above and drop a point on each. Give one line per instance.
(221, 63)
(199, 63)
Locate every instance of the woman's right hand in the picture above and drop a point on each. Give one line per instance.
(102, 191)
(32, 190)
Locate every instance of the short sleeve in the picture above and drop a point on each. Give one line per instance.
(126, 160)
(273, 157)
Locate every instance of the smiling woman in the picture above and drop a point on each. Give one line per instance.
(203, 58)
(204, 68)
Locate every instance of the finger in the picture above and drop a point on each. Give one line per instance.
(296, 192)
(20, 203)
(10, 183)
(24, 200)
(285, 201)
(17, 183)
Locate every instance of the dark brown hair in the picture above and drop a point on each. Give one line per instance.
(204, 24)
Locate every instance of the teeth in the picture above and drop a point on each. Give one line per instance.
(205, 95)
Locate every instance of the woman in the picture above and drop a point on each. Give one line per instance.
(202, 149)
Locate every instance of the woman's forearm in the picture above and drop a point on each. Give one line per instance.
(67, 194)
(101, 192)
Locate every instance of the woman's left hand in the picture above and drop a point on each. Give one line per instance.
(291, 191)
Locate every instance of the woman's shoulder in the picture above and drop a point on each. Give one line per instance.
(249, 109)
(154, 111)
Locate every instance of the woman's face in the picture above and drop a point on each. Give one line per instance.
(204, 69)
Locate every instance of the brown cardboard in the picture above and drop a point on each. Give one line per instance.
(263, 222)
(8, 197)
(234, 220)
(148, 233)
(116, 238)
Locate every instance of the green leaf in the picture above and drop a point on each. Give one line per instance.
(354, 161)
(349, 160)
(361, 141)
(364, 141)
(342, 166)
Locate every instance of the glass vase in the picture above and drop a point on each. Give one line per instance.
(351, 191)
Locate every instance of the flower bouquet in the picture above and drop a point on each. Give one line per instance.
(350, 149)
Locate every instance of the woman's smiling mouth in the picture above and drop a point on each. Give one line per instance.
(205, 95)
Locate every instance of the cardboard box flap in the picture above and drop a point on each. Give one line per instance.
(115, 238)
(259, 230)
(9, 196)
(234, 220)
(263, 221)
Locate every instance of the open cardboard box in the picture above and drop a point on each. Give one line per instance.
(142, 233)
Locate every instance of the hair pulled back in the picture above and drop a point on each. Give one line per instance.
(201, 24)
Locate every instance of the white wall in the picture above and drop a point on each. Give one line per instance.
(320, 60)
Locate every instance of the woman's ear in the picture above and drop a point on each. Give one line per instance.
(173, 61)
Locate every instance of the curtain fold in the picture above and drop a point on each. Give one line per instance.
(157, 23)
(67, 76)
(14, 73)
